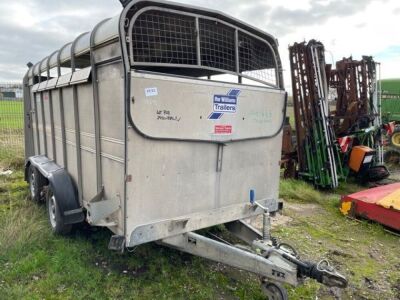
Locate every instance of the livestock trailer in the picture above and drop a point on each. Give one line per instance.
(161, 121)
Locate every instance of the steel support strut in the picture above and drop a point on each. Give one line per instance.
(272, 261)
(273, 268)
(265, 257)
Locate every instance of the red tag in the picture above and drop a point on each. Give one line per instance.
(344, 143)
(223, 129)
(390, 127)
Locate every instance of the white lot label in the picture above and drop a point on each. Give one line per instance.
(368, 159)
(151, 92)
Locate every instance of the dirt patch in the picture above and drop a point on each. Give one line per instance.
(276, 221)
(120, 268)
(304, 209)
(330, 293)
(376, 254)
(282, 219)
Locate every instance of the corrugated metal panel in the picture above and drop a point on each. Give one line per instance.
(82, 44)
(52, 83)
(107, 31)
(53, 60)
(64, 80)
(43, 65)
(81, 76)
(36, 69)
(35, 87)
(66, 53)
(42, 86)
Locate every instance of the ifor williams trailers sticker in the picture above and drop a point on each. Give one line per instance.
(224, 104)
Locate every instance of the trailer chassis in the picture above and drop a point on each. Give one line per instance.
(274, 262)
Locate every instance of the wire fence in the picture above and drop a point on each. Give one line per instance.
(11, 118)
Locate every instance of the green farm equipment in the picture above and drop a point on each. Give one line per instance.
(347, 140)
(317, 149)
(391, 109)
(390, 99)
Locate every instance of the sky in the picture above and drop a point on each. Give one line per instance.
(32, 29)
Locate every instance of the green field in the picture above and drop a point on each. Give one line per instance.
(11, 114)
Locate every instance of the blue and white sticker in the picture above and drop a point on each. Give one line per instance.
(224, 104)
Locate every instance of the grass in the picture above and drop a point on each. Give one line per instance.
(11, 128)
(11, 114)
(35, 264)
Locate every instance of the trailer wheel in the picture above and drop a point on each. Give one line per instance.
(36, 184)
(56, 219)
(274, 291)
(395, 138)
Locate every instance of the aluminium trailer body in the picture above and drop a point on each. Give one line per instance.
(126, 128)
(147, 147)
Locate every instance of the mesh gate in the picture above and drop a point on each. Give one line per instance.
(217, 45)
(255, 59)
(164, 38)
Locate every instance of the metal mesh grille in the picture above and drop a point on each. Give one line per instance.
(256, 59)
(160, 37)
(217, 45)
(170, 39)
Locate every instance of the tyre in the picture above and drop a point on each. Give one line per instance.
(395, 139)
(391, 159)
(377, 173)
(56, 219)
(274, 291)
(36, 184)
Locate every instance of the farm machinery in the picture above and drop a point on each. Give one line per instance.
(390, 95)
(341, 140)
(380, 204)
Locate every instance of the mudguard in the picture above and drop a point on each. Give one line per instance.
(62, 187)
